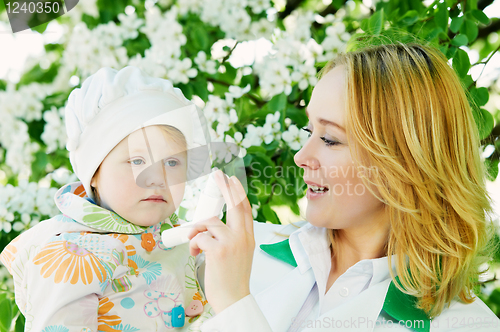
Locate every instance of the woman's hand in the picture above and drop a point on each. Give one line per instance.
(228, 247)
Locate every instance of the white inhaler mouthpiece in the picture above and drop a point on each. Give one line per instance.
(209, 205)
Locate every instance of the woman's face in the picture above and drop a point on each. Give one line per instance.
(327, 162)
(143, 178)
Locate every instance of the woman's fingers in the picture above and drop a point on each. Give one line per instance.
(243, 200)
(227, 189)
(201, 241)
(213, 225)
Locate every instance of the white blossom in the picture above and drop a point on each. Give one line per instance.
(191, 6)
(276, 79)
(262, 28)
(54, 133)
(236, 92)
(89, 50)
(236, 22)
(258, 6)
(294, 137)
(215, 107)
(182, 71)
(130, 25)
(237, 139)
(298, 24)
(305, 76)
(207, 66)
(256, 135)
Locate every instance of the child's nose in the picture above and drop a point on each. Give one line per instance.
(153, 176)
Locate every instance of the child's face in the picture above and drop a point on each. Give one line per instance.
(161, 164)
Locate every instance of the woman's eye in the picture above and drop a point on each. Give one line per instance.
(137, 162)
(324, 139)
(171, 162)
(307, 129)
(328, 142)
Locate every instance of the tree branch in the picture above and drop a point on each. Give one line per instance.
(291, 5)
(494, 26)
(482, 4)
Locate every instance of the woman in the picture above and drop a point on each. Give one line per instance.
(397, 215)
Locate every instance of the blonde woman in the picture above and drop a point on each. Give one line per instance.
(398, 217)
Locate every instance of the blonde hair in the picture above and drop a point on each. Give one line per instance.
(409, 115)
(170, 133)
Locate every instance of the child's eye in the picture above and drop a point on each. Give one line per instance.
(171, 162)
(137, 162)
(324, 139)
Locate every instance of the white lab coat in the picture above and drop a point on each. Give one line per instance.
(278, 291)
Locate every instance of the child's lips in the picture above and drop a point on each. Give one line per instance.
(155, 198)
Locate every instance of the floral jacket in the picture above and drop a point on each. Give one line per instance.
(88, 269)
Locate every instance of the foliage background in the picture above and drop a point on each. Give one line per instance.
(256, 102)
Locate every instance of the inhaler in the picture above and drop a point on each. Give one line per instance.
(209, 205)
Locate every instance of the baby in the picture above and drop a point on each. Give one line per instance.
(101, 265)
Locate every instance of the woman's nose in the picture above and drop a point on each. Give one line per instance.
(306, 156)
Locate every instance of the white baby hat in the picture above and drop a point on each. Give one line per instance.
(112, 104)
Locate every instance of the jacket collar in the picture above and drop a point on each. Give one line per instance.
(397, 304)
(73, 202)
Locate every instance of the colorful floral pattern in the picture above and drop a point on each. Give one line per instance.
(148, 242)
(100, 218)
(163, 302)
(69, 262)
(105, 321)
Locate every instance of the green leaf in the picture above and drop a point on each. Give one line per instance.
(200, 38)
(433, 34)
(136, 46)
(254, 149)
(187, 90)
(376, 22)
(38, 166)
(492, 168)
(409, 18)
(5, 313)
(460, 40)
(365, 25)
(461, 62)
(456, 23)
(277, 103)
(298, 116)
(470, 29)
(270, 214)
(480, 95)
(200, 88)
(20, 322)
(484, 121)
(480, 16)
(306, 94)
(272, 146)
(441, 17)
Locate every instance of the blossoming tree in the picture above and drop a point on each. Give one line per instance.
(250, 64)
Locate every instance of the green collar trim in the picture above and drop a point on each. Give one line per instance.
(397, 304)
(281, 251)
(401, 307)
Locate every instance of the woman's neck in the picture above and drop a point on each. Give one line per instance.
(352, 246)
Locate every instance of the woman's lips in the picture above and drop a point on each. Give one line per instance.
(313, 195)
